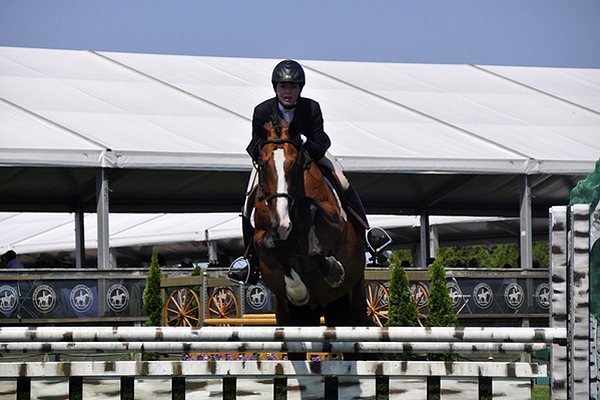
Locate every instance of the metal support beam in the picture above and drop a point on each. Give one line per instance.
(526, 225)
(424, 252)
(434, 241)
(79, 238)
(102, 213)
(213, 257)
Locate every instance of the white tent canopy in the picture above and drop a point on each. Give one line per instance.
(158, 133)
(122, 110)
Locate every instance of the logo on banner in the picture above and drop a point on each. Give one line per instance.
(257, 296)
(44, 298)
(117, 297)
(8, 298)
(81, 298)
(542, 295)
(514, 295)
(484, 295)
(455, 293)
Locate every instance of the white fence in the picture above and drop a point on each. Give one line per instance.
(571, 337)
(255, 379)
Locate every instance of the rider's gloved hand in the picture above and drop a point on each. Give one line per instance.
(303, 138)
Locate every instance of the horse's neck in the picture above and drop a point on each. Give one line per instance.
(320, 175)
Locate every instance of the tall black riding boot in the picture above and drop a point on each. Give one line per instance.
(250, 273)
(374, 238)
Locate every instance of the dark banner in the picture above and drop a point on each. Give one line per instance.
(49, 299)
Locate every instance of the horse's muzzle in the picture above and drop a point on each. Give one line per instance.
(281, 228)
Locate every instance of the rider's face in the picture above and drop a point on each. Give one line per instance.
(287, 93)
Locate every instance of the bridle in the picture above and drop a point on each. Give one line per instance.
(302, 160)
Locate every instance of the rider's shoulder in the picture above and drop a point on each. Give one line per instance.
(307, 101)
(266, 106)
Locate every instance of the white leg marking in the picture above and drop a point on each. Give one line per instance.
(296, 290)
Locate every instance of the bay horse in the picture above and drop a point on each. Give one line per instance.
(310, 256)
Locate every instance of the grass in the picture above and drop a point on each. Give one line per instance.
(540, 392)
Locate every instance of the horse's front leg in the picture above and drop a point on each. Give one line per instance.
(295, 290)
(330, 268)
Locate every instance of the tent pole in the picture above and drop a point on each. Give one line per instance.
(213, 257)
(526, 244)
(79, 238)
(425, 239)
(102, 213)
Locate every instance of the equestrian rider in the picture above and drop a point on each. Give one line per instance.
(304, 115)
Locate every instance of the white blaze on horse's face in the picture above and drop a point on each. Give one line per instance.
(282, 208)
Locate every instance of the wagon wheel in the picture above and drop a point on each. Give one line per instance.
(183, 308)
(222, 304)
(377, 303)
(420, 298)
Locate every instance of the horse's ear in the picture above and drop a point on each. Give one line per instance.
(275, 119)
(266, 129)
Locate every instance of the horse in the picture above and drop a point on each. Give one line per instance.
(310, 255)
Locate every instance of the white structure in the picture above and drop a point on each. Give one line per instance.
(94, 131)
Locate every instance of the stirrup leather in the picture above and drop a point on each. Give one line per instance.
(377, 239)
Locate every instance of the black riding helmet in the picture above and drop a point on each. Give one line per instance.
(288, 71)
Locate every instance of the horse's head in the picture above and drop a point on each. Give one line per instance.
(280, 174)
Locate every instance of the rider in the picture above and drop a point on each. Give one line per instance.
(304, 115)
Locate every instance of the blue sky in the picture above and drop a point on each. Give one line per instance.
(551, 33)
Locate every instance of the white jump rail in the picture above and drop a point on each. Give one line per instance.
(270, 347)
(256, 378)
(287, 334)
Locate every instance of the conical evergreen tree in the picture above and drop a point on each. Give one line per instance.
(153, 302)
(440, 305)
(403, 311)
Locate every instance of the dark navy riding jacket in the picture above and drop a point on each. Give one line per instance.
(308, 120)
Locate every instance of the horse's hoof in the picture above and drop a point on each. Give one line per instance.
(295, 290)
(336, 275)
(298, 303)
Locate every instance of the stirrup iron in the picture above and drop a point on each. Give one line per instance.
(245, 264)
(377, 239)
